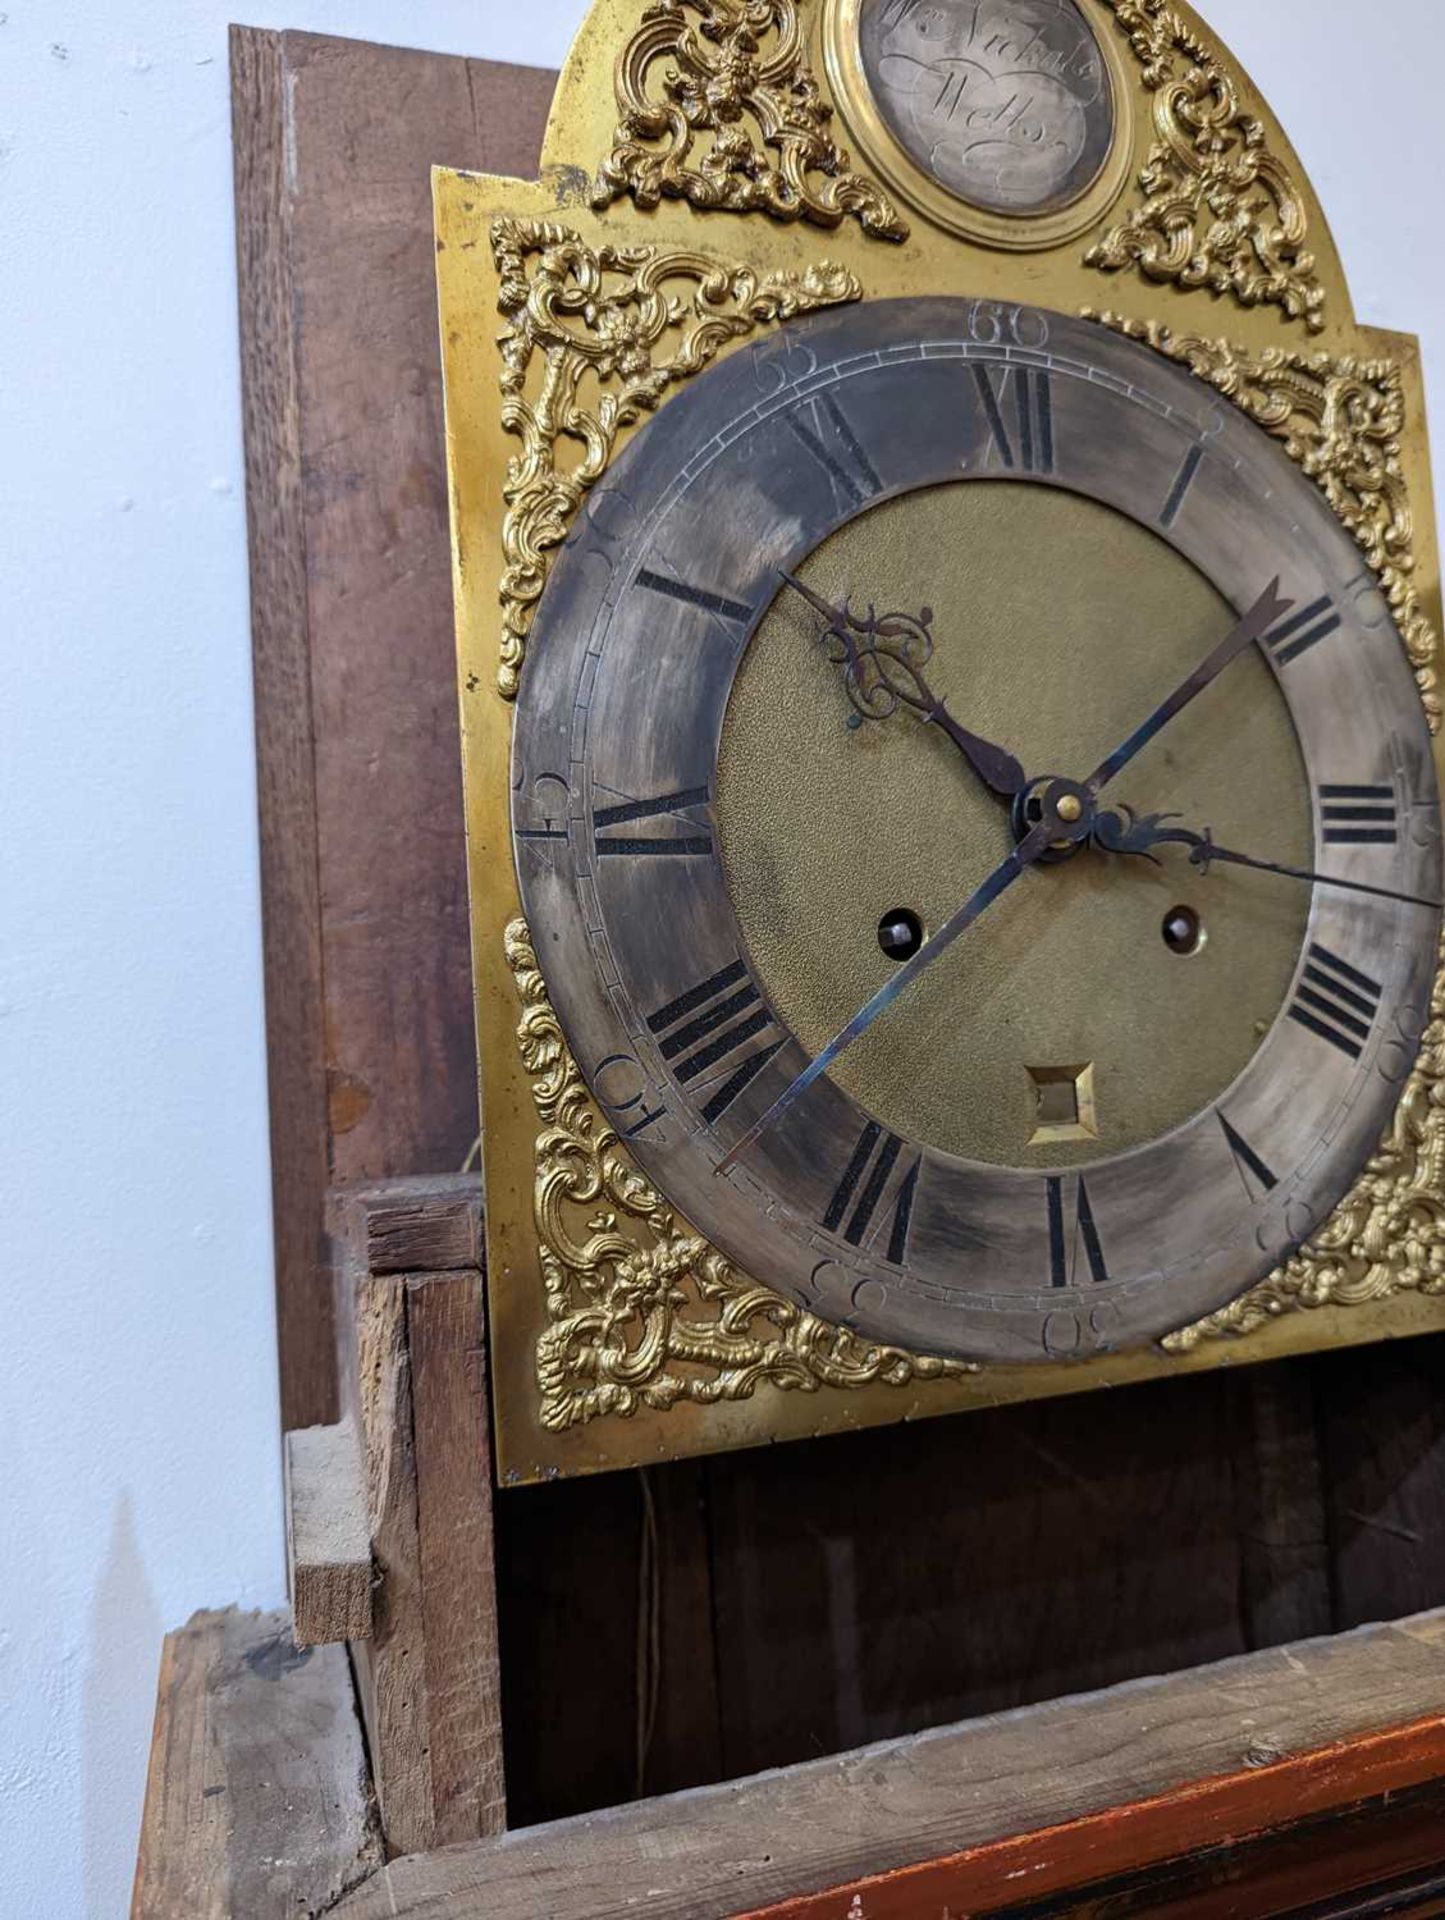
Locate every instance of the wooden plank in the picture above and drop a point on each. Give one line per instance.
(328, 1545)
(367, 126)
(285, 769)
(445, 1334)
(1161, 1829)
(1388, 1851)
(413, 1374)
(1252, 1740)
(391, 1665)
(256, 1801)
(369, 1020)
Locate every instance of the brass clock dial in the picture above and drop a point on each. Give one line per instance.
(961, 698)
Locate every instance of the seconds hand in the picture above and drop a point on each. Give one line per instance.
(1067, 815)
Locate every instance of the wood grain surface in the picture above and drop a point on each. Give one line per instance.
(610, 1672)
(391, 1665)
(453, 1442)
(871, 1586)
(366, 128)
(1382, 1455)
(257, 1801)
(1378, 1857)
(1117, 1844)
(1232, 1747)
(368, 975)
(1280, 1508)
(285, 771)
(431, 1224)
(414, 1386)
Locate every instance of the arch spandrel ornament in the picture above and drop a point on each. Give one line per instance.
(705, 179)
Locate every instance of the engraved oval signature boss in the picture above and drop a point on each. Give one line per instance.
(1006, 103)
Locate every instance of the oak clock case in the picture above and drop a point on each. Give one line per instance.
(1080, 1128)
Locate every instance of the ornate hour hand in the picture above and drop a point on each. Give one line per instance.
(1121, 830)
(883, 658)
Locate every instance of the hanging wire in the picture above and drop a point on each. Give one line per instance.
(649, 1632)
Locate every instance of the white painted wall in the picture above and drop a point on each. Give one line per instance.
(138, 1458)
(137, 1411)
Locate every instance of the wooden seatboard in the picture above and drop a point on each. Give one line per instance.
(975, 1819)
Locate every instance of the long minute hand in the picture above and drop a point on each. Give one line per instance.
(1208, 852)
(978, 903)
(1270, 608)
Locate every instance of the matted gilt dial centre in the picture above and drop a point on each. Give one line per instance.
(823, 830)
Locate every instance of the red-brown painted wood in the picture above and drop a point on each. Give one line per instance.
(1206, 1813)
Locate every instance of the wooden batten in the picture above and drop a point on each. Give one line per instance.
(328, 1547)
(977, 1818)
(413, 1386)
